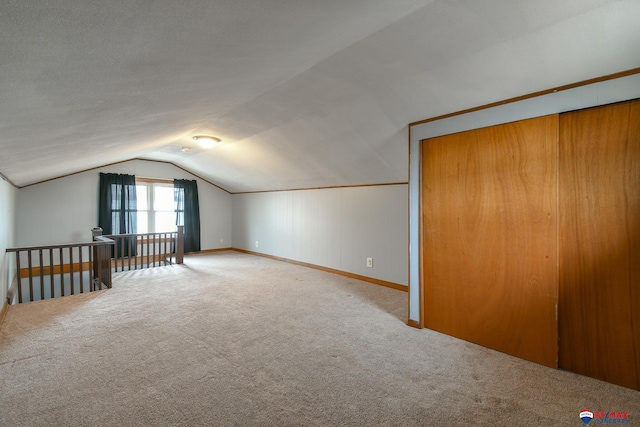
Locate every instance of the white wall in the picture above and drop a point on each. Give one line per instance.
(8, 195)
(66, 209)
(336, 228)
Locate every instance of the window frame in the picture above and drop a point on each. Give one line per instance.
(150, 212)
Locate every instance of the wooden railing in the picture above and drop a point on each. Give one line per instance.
(147, 250)
(51, 271)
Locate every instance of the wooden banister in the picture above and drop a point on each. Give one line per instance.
(146, 250)
(48, 271)
(42, 268)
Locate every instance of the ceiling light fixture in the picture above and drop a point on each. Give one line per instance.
(206, 141)
(186, 149)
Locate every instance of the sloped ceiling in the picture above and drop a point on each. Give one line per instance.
(303, 93)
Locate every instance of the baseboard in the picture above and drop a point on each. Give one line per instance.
(3, 311)
(208, 251)
(379, 282)
(414, 324)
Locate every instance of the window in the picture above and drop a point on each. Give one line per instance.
(156, 206)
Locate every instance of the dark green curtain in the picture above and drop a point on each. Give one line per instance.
(188, 212)
(117, 209)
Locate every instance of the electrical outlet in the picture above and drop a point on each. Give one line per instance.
(257, 244)
(370, 262)
(222, 241)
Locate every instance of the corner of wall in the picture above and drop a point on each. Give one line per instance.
(8, 199)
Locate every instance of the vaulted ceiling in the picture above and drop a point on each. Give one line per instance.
(303, 93)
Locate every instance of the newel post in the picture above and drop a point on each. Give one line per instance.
(180, 245)
(96, 231)
(101, 260)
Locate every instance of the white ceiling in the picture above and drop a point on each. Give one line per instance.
(303, 93)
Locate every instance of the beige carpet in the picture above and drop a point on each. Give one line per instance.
(235, 339)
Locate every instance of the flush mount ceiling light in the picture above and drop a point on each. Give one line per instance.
(206, 141)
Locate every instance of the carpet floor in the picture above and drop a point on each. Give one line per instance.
(235, 339)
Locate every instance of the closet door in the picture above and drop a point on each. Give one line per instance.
(599, 300)
(489, 236)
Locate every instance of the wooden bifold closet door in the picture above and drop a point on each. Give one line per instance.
(599, 311)
(531, 239)
(489, 236)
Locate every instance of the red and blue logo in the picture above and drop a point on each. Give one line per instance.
(586, 416)
(600, 417)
